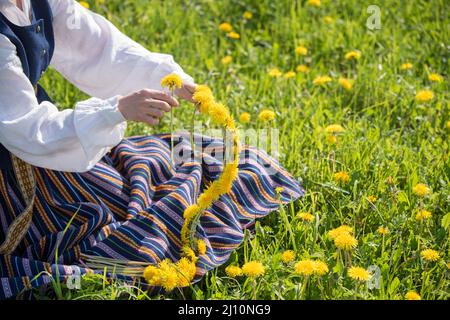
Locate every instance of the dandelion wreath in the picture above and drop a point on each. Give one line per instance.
(168, 274)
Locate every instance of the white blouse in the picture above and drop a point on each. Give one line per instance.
(96, 57)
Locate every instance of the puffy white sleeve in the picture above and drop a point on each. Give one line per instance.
(70, 140)
(100, 60)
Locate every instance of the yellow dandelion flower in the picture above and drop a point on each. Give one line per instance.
(383, 230)
(290, 74)
(288, 256)
(412, 295)
(334, 129)
(85, 4)
(233, 271)
(233, 35)
(190, 212)
(430, 255)
(314, 3)
(423, 215)
(306, 216)
(305, 267)
(172, 81)
(301, 51)
(353, 55)
(278, 190)
(253, 269)
(226, 60)
(245, 117)
(267, 115)
(331, 139)
(421, 190)
(346, 84)
(341, 177)
(372, 199)
(448, 124)
(322, 80)
(275, 73)
(225, 27)
(406, 66)
(358, 273)
(247, 15)
(434, 77)
(320, 268)
(424, 96)
(303, 68)
(344, 229)
(201, 247)
(186, 271)
(345, 241)
(328, 19)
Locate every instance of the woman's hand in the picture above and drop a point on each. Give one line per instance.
(186, 92)
(146, 106)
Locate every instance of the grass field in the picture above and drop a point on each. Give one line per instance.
(392, 140)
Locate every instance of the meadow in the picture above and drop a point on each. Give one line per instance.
(362, 108)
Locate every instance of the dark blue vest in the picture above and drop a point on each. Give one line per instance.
(35, 44)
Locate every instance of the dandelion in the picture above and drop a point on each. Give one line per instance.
(341, 177)
(334, 129)
(288, 256)
(306, 216)
(245, 117)
(314, 3)
(226, 60)
(430, 255)
(190, 212)
(301, 51)
(311, 267)
(424, 96)
(346, 84)
(305, 267)
(275, 73)
(172, 81)
(201, 247)
(421, 190)
(233, 271)
(358, 273)
(302, 68)
(353, 55)
(247, 15)
(278, 190)
(267, 115)
(423, 215)
(85, 4)
(321, 80)
(412, 295)
(331, 139)
(328, 19)
(383, 230)
(321, 268)
(372, 199)
(345, 241)
(225, 27)
(290, 74)
(233, 35)
(434, 77)
(344, 229)
(406, 66)
(253, 269)
(448, 124)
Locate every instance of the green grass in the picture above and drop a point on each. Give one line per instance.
(387, 134)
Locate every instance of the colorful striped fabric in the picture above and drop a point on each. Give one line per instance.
(130, 207)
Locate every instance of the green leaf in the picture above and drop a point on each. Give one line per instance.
(446, 222)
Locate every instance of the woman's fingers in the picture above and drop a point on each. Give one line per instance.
(160, 95)
(159, 104)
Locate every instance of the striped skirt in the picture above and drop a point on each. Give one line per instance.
(130, 207)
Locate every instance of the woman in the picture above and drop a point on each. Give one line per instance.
(70, 184)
